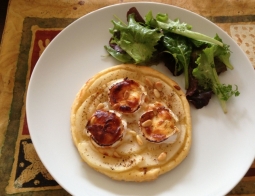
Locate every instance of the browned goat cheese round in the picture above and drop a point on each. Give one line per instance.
(105, 128)
(125, 96)
(131, 123)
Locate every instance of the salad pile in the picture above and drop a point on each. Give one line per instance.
(144, 41)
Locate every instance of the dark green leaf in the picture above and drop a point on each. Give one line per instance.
(181, 49)
(138, 41)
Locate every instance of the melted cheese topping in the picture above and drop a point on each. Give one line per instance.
(125, 96)
(158, 125)
(105, 128)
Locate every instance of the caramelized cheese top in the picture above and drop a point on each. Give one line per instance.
(105, 128)
(125, 96)
(158, 124)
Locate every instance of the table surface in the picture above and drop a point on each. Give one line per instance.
(28, 28)
(3, 11)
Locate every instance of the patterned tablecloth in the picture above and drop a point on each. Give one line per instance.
(30, 26)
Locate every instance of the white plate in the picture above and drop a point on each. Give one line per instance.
(223, 145)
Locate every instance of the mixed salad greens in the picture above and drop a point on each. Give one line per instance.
(199, 57)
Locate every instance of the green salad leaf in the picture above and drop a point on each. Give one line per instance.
(223, 53)
(162, 21)
(122, 57)
(181, 50)
(208, 78)
(136, 40)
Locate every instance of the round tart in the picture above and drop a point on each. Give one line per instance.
(131, 123)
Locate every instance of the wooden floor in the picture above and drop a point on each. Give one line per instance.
(3, 10)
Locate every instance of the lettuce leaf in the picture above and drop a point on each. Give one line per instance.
(181, 50)
(162, 21)
(136, 40)
(122, 57)
(208, 78)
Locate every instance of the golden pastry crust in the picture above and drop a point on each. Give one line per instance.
(134, 157)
